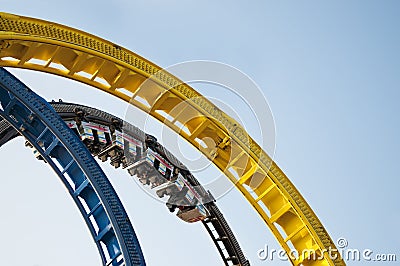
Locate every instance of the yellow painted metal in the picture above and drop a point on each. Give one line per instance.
(49, 47)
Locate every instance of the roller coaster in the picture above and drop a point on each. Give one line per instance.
(67, 136)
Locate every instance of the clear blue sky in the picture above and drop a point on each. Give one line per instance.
(331, 73)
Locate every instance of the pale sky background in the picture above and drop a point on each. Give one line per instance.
(331, 73)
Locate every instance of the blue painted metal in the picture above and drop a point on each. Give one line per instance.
(89, 187)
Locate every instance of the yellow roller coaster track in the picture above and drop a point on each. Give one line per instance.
(49, 47)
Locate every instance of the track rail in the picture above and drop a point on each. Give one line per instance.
(215, 224)
(46, 132)
(52, 48)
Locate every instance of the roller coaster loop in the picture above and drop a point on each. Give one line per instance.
(90, 189)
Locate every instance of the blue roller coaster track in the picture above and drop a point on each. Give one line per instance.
(35, 119)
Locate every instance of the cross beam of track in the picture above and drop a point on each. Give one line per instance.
(46, 132)
(52, 48)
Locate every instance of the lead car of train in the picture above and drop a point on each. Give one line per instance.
(153, 165)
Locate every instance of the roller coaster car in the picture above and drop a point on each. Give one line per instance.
(183, 197)
(152, 169)
(180, 192)
(132, 147)
(170, 188)
(193, 214)
(93, 135)
(166, 189)
(125, 149)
